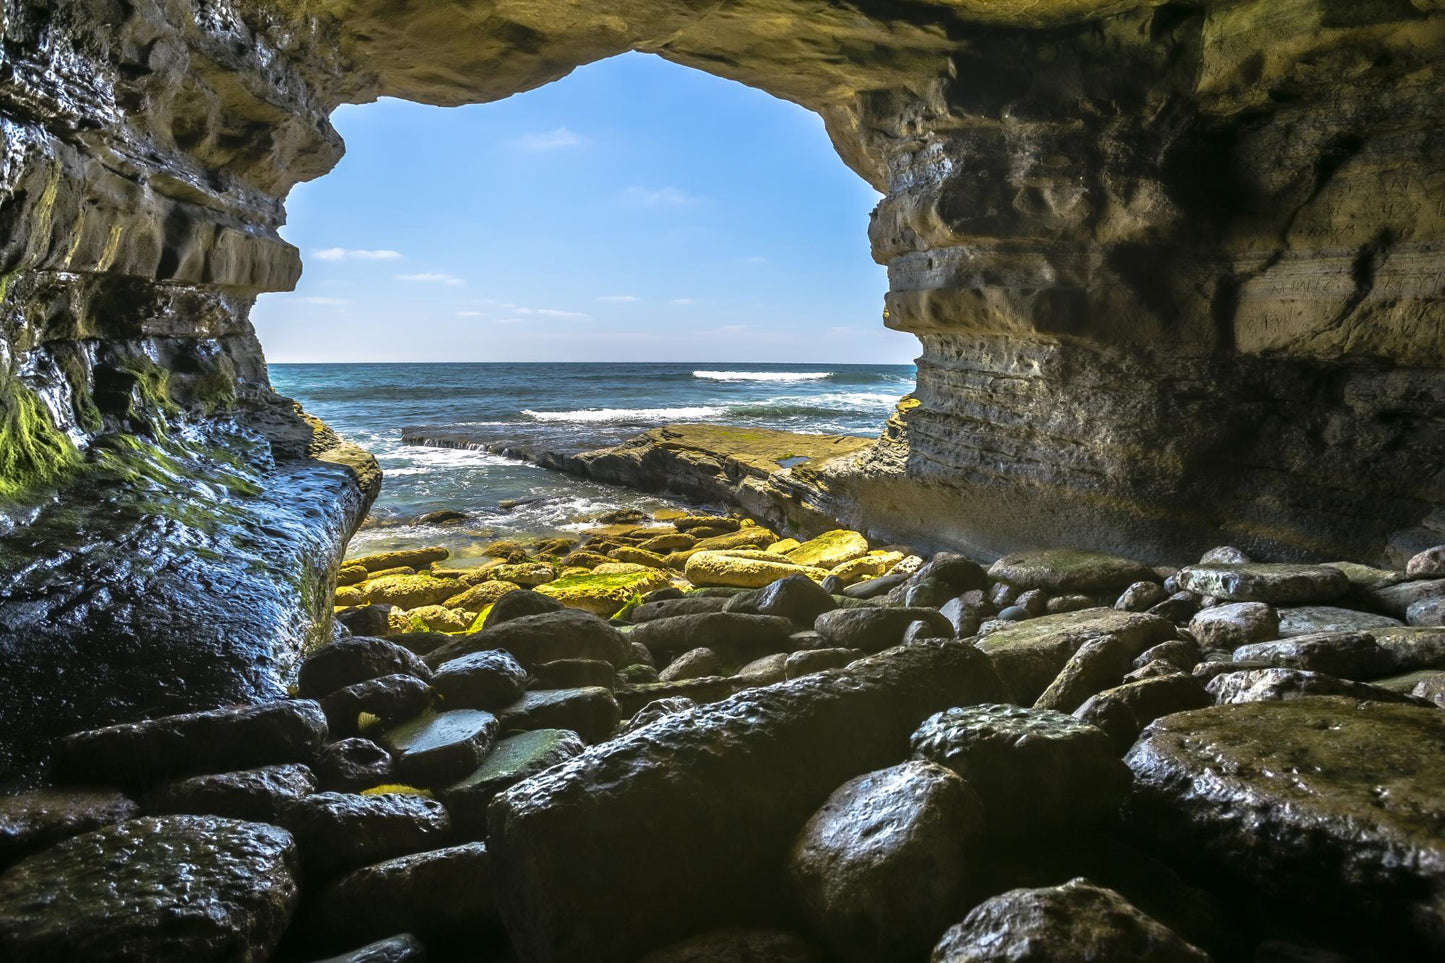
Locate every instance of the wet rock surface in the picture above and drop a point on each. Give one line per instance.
(35, 820)
(256, 795)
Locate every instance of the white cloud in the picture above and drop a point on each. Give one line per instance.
(558, 139)
(683, 301)
(671, 196)
(620, 298)
(509, 321)
(554, 313)
(469, 314)
(326, 301)
(353, 254)
(432, 277)
(754, 259)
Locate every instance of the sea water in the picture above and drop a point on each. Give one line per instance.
(567, 407)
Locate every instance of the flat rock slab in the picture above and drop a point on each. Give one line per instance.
(592, 712)
(542, 637)
(1272, 582)
(480, 680)
(32, 821)
(156, 888)
(1272, 685)
(1349, 655)
(1312, 619)
(253, 794)
(511, 760)
(1029, 655)
(1064, 571)
(356, 659)
(1076, 921)
(1331, 805)
(755, 766)
(436, 749)
(341, 831)
(219, 740)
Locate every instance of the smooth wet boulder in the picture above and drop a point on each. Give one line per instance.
(1062, 571)
(1349, 655)
(830, 549)
(359, 658)
(881, 867)
(734, 636)
(1330, 807)
(592, 712)
(488, 679)
(818, 660)
(1077, 921)
(32, 821)
(573, 674)
(402, 948)
(1275, 684)
(1274, 582)
(749, 570)
(439, 748)
(366, 619)
(762, 761)
(219, 740)
(1036, 771)
(739, 946)
(511, 760)
(873, 587)
(1235, 624)
(1029, 655)
(417, 558)
(191, 888)
(439, 895)
(1314, 619)
(666, 608)
(1125, 710)
(544, 637)
(693, 664)
(391, 698)
(1096, 665)
(604, 592)
(875, 629)
(514, 605)
(341, 831)
(797, 598)
(257, 795)
(351, 765)
(1427, 564)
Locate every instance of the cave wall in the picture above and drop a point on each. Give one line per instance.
(1175, 267)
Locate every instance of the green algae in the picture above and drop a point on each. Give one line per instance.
(33, 452)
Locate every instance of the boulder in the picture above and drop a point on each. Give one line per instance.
(606, 593)
(434, 618)
(633, 697)
(511, 760)
(156, 888)
(573, 674)
(818, 660)
(655, 710)
(1179, 607)
(881, 868)
(730, 569)
(441, 747)
(417, 558)
(545, 637)
(440, 895)
(1395, 600)
(1413, 647)
(351, 765)
(391, 698)
(763, 671)
(1077, 921)
(687, 605)
(1125, 710)
(965, 614)
(1275, 583)
(479, 596)
(1036, 771)
(1096, 665)
(869, 566)
(488, 679)
(32, 821)
(1349, 655)
(1233, 625)
(765, 759)
(591, 712)
(1427, 612)
(1179, 653)
(257, 795)
(875, 629)
(514, 605)
(796, 597)
(1314, 619)
(738, 946)
(336, 832)
(1224, 555)
(527, 574)
(830, 549)
(1427, 564)
(366, 619)
(1273, 685)
(874, 587)
(348, 661)
(1063, 571)
(403, 948)
(220, 740)
(1327, 806)
(1029, 655)
(1140, 597)
(734, 636)
(692, 664)
(409, 591)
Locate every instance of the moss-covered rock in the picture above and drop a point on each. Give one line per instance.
(417, 558)
(662, 544)
(584, 559)
(784, 546)
(407, 591)
(620, 568)
(830, 549)
(604, 594)
(525, 573)
(869, 566)
(33, 452)
(481, 595)
(638, 556)
(438, 618)
(744, 570)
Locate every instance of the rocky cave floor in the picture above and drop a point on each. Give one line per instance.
(726, 746)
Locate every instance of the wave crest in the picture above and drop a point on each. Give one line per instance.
(627, 415)
(762, 375)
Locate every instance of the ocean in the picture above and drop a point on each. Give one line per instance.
(573, 407)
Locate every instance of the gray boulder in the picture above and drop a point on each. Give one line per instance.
(259, 795)
(872, 630)
(441, 747)
(1349, 655)
(348, 661)
(488, 680)
(1272, 582)
(1230, 626)
(340, 831)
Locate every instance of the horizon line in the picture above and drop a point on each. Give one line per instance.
(862, 364)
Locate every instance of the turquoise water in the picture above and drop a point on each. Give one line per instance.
(557, 406)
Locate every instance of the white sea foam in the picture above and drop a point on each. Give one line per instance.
(762, 375)
(627, 414)
(419, 460)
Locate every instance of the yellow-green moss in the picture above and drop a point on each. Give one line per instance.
(33, 451)
(154, 384)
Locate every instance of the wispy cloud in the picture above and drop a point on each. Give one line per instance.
(354, 254)
(666, 196)
(620, 298)
(683, 301)
(554, 313)
(754, 259)
(469, 314)
(431, 277)
(558, 139)
(325, 301)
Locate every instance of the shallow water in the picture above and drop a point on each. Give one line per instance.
(559, 406)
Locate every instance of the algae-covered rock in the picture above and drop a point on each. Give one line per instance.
(511, 760)
(728, 569)
(408, 591)
(1059, 571)
(638, 556)
(1272, 582)
(869, 566)
(590, 711)
(434, 618)
(529, 574)
(416, 558)
(157, 888)
(603, 594)
(479, 596)
(438, 748)
(752, 536)
(830, 549)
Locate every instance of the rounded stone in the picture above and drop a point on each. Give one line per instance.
(356, 659)
(1230, 626)
(436, 749)
(1427, 564)
(156, 888)
(488, 679)
(1276, 583)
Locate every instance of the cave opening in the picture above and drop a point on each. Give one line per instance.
(640, 243)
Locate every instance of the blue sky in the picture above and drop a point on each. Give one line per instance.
(633, 211)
